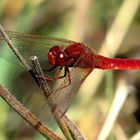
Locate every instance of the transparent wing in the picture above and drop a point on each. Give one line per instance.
(65, 92)
(30, 45)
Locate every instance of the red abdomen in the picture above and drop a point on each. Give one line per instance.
(117, 63)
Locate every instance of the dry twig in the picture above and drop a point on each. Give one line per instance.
(27, 115)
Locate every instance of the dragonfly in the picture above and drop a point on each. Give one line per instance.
(76, 59)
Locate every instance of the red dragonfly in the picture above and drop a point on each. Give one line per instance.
(77, 59)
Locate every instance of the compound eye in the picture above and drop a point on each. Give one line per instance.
(51, 58)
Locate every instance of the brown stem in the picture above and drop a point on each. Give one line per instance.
(51, 101)
(27, 115)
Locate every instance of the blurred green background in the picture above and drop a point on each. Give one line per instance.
(87, 21)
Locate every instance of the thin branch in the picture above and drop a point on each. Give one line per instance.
(27, 115)
(77, 135)
(67, 127)
(51, 102)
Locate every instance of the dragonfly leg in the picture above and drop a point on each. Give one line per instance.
(66, 71)
(69, 78)
(51, 68)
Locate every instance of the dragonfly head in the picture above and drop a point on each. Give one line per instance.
(56, 56)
